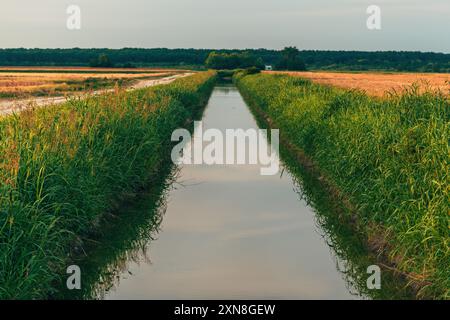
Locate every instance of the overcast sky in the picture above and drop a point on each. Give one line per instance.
(422, 25)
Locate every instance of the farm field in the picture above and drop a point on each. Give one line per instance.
(56, 69)
(79, 85)
(18, 82)
(377, 84)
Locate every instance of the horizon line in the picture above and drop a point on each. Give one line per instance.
(211, 49)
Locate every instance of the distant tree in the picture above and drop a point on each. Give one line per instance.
(290, 60)
(233, 60)
(93, 63)
(102, 61)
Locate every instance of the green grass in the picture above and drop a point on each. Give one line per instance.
(63, 167)
(389, 157)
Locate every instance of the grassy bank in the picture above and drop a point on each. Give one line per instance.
(121, 237)
(63, 167)
(388, 157)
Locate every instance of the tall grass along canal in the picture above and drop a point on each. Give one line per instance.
(385, 158)
(64, 168)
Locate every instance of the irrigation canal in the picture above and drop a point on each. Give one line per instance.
(222, 232)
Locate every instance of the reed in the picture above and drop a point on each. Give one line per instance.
(63, 167)
(389, 157)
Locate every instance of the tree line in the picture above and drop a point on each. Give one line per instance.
(312, 59)
(289, 59)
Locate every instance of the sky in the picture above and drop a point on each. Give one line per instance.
(419, 25)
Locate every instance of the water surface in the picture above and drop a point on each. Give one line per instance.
(229, 233)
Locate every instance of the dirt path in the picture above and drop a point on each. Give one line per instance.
(9, 106)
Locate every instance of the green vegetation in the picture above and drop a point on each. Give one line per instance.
(387, 157)
(184, 58)
(119, 239)
(102, 61)
(407, 61)
(348, 245)
(231, 61)
(290, 60)
(63, 167)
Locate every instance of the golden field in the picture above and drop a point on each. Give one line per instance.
(378, 84)
(18, 82)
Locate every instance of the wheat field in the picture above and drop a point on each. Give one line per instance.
(378, 84)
